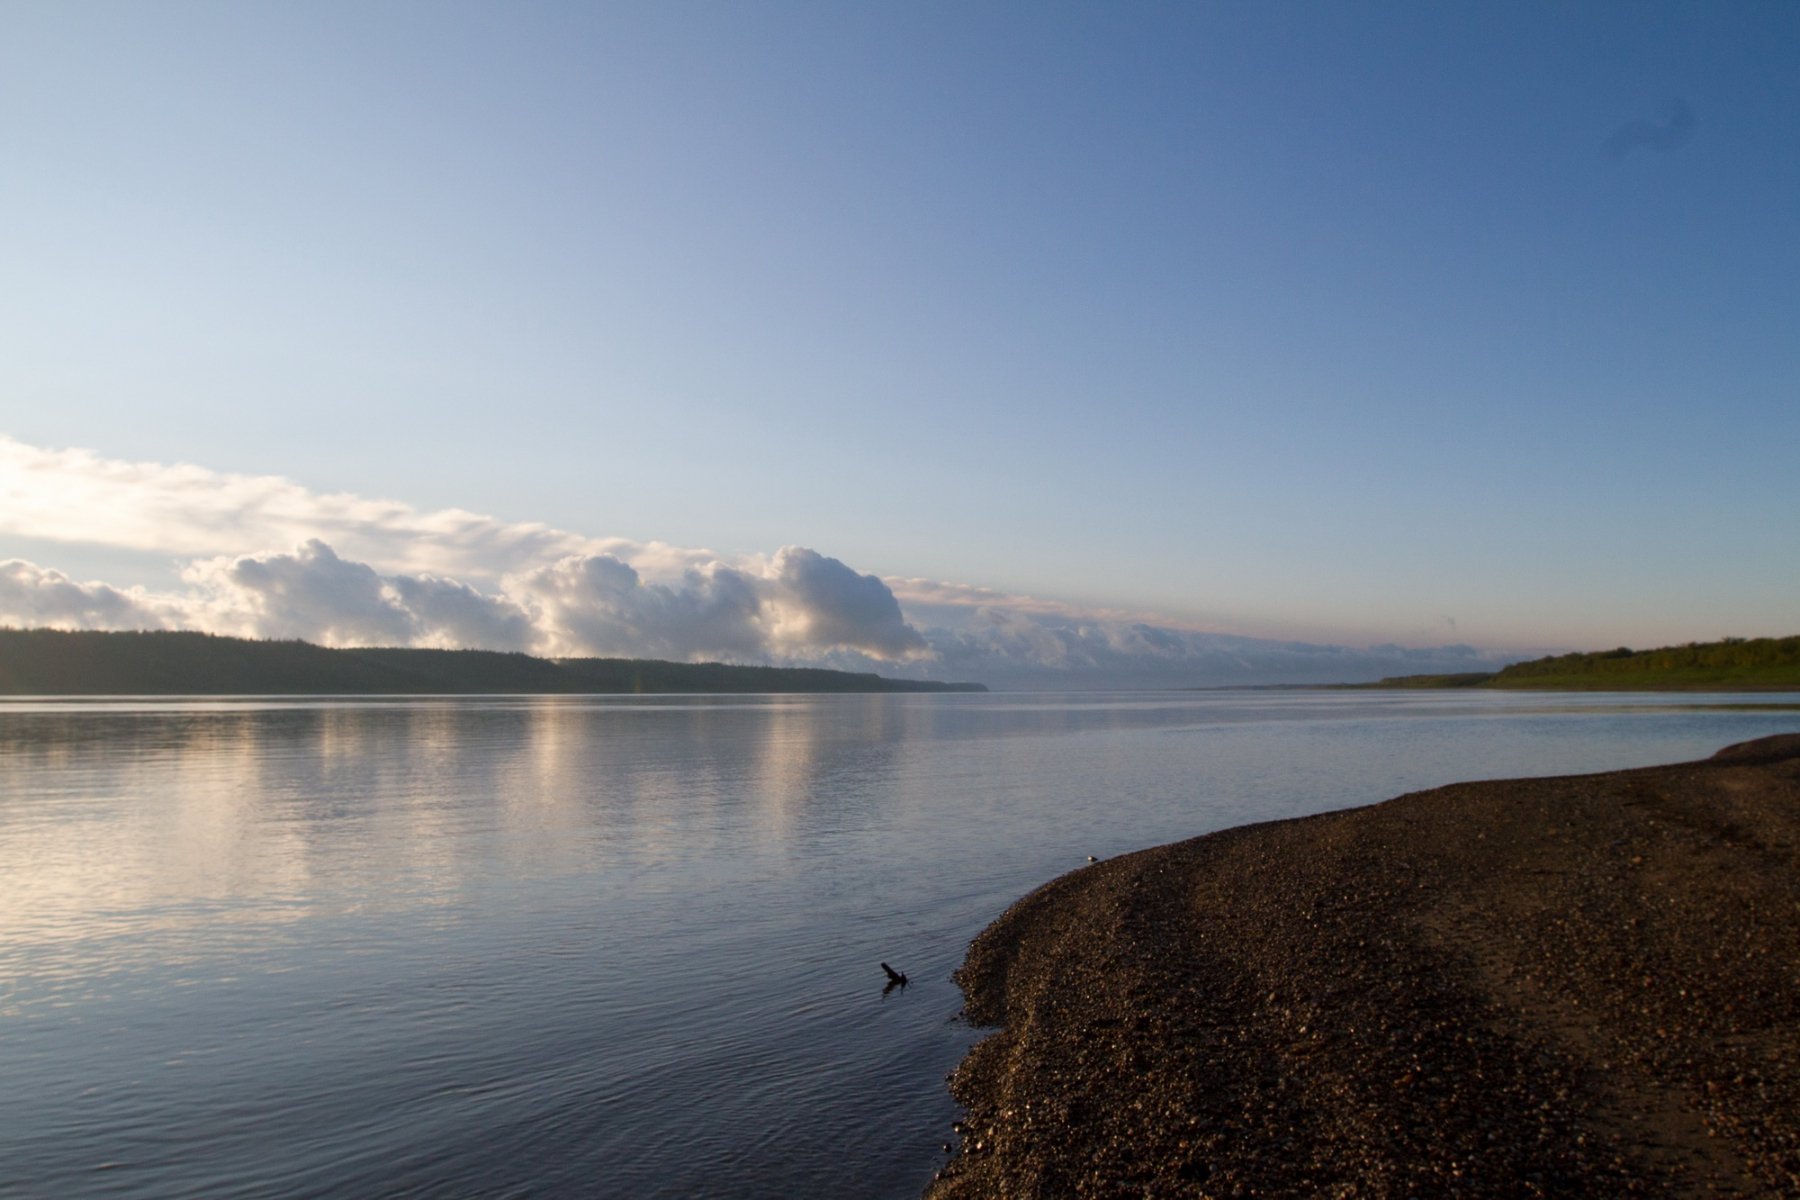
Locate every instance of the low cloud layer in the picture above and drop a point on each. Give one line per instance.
(1024, 650)
(800, 606)
(360, 572)
(31, 595)
(312, 593)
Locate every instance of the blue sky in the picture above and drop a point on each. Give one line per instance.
(1419, 324)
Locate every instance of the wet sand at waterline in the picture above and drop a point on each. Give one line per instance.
(1574, 985)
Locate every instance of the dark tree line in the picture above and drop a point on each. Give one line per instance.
(1729, 656)
(50, 662)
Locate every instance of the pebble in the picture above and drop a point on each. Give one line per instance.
(1452, 993)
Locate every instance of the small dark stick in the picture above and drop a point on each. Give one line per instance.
(894, 977)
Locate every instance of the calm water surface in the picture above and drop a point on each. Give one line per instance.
(574, 946)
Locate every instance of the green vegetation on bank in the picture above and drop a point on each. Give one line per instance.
(48, 662)
(1730, 665)
(1466, 679)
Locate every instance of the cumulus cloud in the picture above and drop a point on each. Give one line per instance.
(796, 607)
(839, 608)
(310, 593)
(365, 572)
(801, 606)
(599, 605)
(450, 615)
(34, 596)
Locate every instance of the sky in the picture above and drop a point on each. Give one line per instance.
(1044, 344)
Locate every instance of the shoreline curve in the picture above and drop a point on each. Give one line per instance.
(1571, 985)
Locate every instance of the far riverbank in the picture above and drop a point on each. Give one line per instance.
(1729, 665)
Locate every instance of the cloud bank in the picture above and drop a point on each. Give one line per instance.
(266, 557)
(1022, 650)
(31, 595)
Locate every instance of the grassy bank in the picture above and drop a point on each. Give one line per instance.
(1730, 665)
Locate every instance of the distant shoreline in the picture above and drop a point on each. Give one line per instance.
(1404, 683)
(1727, 665)
(1568, 986)
(48, 662)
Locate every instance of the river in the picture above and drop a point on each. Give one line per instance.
(573, 946)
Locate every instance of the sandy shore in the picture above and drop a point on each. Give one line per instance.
(1586, 985)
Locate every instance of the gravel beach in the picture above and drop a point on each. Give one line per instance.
(1586, 985)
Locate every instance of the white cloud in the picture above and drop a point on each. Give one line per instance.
(190, 511)
(1007, 648)
(599, 605)
(314, 594)
(380, 572)
(836, 607)
(310, 593)
(34, 596)
(450, 615)
(799, 607)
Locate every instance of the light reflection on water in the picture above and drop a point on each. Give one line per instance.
(573, 946)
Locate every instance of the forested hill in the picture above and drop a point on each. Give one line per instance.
(1734, 664)
(47, 662)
